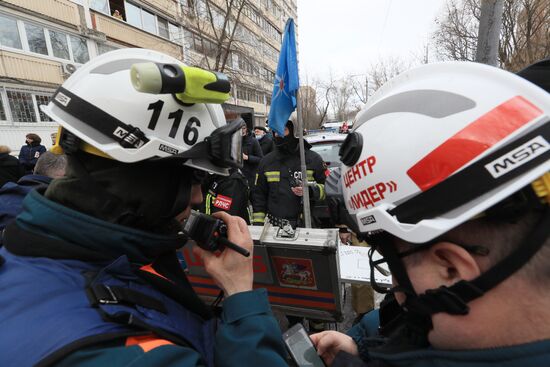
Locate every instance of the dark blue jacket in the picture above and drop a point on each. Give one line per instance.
(29, 154)
(12, 195)
(526, 355)
(56, 262)
(10, 169)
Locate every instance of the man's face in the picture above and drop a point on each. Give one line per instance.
(418, 270)
(196, 199)
(244, 130)
(287, 131)
(259, 132)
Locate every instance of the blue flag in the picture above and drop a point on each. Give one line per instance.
(286, 84)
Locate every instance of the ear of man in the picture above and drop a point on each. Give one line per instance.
(452, 263)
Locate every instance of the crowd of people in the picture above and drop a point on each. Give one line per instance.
(445, 174)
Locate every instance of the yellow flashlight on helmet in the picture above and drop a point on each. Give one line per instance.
(189, 84)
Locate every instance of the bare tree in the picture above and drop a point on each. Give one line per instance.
(218, 26)
(323, 90)
(308, 103)
(456, 36)
(384, 70)
(525, 35)
(360, 88)
(340, 97)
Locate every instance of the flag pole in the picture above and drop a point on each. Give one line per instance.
(305, 187)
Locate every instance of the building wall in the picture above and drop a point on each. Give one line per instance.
(43, 41)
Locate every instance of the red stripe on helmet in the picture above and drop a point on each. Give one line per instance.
(471, 141)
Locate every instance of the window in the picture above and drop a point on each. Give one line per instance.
(175, 34)
(21, 106)
(149, 21)
(199, 44)
(2, 111)
(102, 48)
(36, 39)
(270, 52)
(100, 5)
(9, 34)
(271, 30)
(133, 15)
(218, 18)
(42, 99)
(163, 28)
(200, 8)
(80, 49)
(60, 46)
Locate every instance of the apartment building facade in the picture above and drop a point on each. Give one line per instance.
(43, 41)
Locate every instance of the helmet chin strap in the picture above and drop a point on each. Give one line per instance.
(416, 320)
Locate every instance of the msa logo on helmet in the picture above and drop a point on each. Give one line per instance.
(130, 139)
(167, 149)
(517, 157)
(62, 98)
(369, 219)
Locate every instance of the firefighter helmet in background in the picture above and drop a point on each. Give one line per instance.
(101, 107)
(439, 144)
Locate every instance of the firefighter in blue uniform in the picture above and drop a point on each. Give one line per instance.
(88, 272)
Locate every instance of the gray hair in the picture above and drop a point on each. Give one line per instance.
(51, 165)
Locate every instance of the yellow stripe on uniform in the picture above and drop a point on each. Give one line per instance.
(207, 206)
(273, 176)
(258, 217)
(322, 194)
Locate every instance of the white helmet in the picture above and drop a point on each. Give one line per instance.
(439, 144)
(99, 105)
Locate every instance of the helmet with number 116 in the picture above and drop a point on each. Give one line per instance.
(101, 107)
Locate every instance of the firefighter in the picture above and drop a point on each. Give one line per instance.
(88, 272)
(278, 188)
(228, 194)
(455, 196)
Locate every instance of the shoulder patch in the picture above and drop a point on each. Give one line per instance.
(223, 202)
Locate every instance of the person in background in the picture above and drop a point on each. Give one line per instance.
(48, 167)
(252, 154)
(227, 193)
(278, 191)
(116, 14)
(10, 168)
(266, 143)
(30, 152)
(53, 136)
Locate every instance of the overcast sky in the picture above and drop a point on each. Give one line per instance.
(346, 36)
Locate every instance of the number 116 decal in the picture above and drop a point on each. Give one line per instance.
(190, 132)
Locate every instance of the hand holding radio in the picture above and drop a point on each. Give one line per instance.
(231, 271)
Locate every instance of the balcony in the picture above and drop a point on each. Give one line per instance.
(63, 10)
(123, 32)
(169, 7)
(34, 69)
